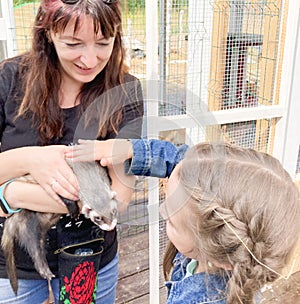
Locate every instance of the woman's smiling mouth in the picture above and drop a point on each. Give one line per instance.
(83, 68)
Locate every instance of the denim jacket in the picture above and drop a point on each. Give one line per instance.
(195, 289)
(154, 157)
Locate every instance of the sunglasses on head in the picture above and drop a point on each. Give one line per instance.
(75, 1)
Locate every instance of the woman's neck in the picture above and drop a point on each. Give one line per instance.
(69, 94)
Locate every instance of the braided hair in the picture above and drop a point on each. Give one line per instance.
(244, 212)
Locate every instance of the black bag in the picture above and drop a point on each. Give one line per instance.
(78, 266)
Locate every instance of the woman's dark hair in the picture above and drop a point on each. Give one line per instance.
(40, 66)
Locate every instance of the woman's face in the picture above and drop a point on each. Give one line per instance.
(83, 55)
(175, 211)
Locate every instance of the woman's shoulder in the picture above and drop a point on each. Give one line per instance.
(10, 77)
(10, 72)
(129, 77)
(11, 65)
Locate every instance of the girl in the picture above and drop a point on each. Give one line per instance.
(72, 83)
(232, 215)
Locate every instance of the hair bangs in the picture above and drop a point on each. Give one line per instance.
(106, 18)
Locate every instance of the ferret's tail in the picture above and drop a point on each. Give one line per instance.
(8, 247)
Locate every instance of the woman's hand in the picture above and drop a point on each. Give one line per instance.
(49, 168)
(108, 152)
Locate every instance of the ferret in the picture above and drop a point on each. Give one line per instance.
(29, 228)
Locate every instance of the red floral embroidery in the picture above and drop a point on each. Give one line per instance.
(80, 286)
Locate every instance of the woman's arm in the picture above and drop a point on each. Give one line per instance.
(122, 184)
(30, 196)
(46, 165)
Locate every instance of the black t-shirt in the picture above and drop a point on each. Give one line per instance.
(20, 132)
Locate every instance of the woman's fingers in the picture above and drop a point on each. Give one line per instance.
(57, 189)
(50, 169)
(66, 185)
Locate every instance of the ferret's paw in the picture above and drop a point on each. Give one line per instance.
(46, 274)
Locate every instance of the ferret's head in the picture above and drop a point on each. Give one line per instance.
(98, 201)
(106, 215)
(106, 220)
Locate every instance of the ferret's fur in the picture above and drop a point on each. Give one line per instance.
(29, 228)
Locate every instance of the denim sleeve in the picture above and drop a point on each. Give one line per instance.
(154, 157)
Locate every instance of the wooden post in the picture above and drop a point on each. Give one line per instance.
(218, 54)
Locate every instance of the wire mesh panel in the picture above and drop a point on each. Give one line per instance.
(135, 36)
(24, 14)
(246, 43)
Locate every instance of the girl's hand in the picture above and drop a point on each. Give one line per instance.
(48, 167)
(108, 152)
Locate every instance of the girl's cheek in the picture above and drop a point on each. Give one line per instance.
(169, 231)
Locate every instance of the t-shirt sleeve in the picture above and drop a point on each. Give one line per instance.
(10, 88)
(3, 95)
(133, 111)
(6, 80)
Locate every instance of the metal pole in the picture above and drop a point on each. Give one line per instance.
(152, 95)
(9, 28)
(162, 53)
(3, 49)
(287, 138)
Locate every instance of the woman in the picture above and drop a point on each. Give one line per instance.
(72, 83)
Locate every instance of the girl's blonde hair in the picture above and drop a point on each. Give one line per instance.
(245, 213)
